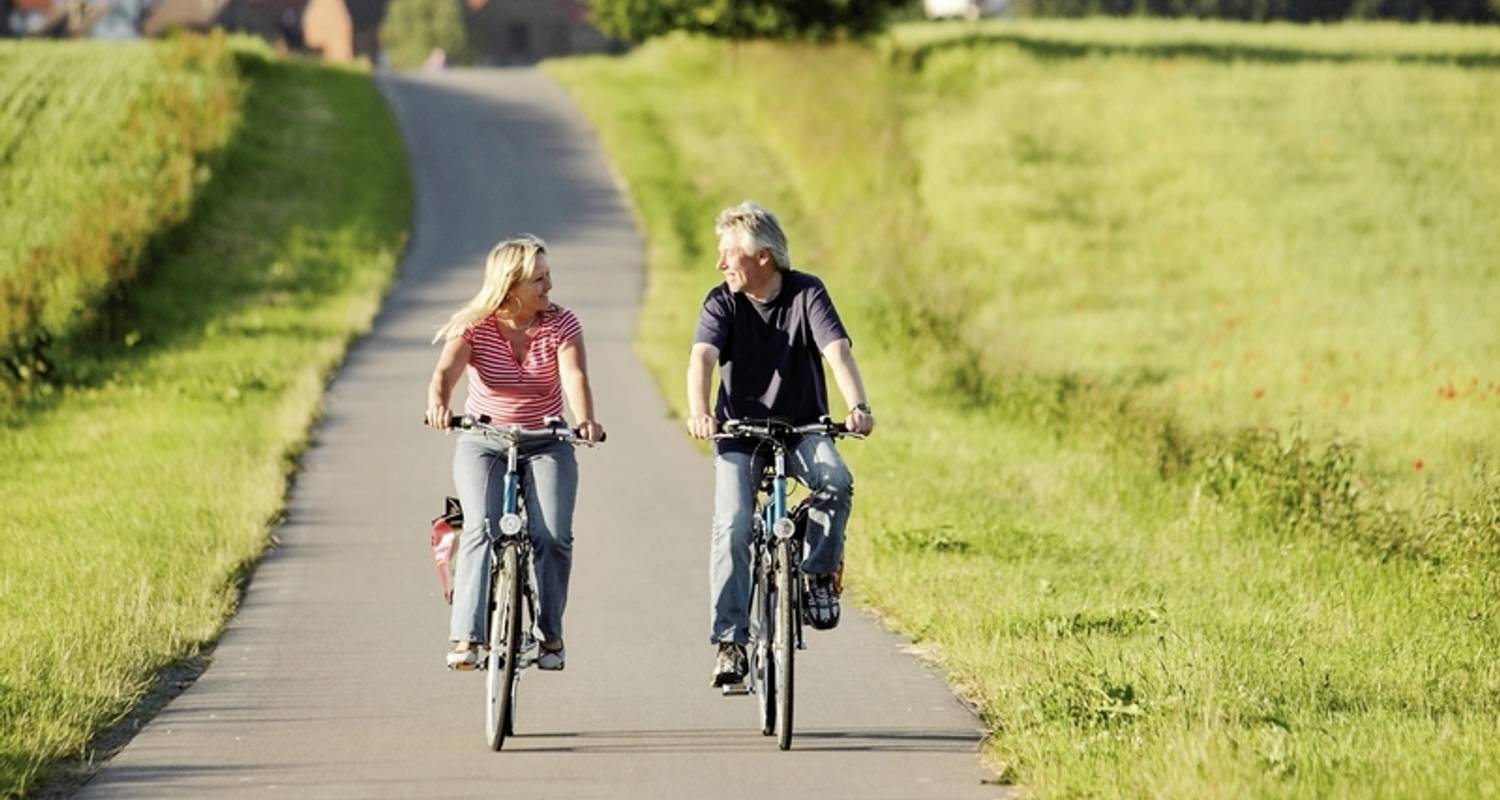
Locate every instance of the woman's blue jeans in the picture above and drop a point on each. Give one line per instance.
(549, 482)
(817, 464)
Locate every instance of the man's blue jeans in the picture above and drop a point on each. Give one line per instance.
(549, 476)
(817, 464)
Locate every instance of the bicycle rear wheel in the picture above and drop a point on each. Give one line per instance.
(505, 639)
(785, 641)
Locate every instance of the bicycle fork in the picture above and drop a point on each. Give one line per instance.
(783, 531)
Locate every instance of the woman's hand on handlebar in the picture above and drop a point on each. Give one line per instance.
(438, 416)
(702, 426)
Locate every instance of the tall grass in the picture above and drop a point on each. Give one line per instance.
(138, 495)
(99, 150)
(1150, 588)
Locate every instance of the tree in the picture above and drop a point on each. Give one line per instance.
(634, 20)
(413, 29)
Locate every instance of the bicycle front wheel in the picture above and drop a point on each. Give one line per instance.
(762, 663)
(505, 642)
(785, 640)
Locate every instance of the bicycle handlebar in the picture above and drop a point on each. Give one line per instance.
(777, 430)
(557, 430)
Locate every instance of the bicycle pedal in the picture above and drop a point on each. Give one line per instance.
(743, 687)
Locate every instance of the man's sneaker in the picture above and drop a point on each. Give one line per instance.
(551, 659)
(820, 602)
(731, 665)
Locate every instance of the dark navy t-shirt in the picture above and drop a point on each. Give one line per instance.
(770, 356)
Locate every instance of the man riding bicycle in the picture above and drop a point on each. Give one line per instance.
(769, 328)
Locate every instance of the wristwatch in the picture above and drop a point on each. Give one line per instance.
(863, 408)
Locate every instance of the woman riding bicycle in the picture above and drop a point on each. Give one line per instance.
(521, 354)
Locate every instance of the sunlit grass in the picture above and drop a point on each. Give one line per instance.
(1221, 40)
(1252, 244)
(137, 496)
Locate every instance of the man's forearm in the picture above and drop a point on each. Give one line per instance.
(697, 386)
(846, 374)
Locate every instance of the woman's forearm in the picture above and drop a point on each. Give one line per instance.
(573, 364)
(580, 396)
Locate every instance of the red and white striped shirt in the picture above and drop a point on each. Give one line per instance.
(513, 393)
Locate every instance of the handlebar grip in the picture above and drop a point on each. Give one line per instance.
(464, 422)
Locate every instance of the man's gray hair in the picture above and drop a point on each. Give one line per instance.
(761, 229)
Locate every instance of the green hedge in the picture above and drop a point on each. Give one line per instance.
(101, 149)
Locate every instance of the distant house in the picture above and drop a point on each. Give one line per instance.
(328, 29)
(54, 18)
(274, 20)
(968, 9)
(342, 29)
(503, 31)
(522, 31)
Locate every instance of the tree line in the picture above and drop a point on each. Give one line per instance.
(413, 28)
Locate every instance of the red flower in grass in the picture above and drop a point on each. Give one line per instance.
(1259, 392)
(1418, 465)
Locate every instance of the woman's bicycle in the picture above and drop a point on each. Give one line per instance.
(511, 644)
(775, 559)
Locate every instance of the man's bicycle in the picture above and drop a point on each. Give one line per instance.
(511, 643)
(776, 543)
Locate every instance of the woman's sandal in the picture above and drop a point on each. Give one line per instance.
(464, 657)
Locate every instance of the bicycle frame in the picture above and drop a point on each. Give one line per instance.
(773, 510)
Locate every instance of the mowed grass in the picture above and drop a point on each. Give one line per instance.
(1109, 302)
(138, 495)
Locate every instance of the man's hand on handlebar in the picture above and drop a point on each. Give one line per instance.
(860, 421)
(702, 426)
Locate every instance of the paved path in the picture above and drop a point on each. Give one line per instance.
(329, 682)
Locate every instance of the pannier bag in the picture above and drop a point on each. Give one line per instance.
(445, 530)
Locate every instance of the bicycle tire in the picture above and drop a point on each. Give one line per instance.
(505, 639)
(763, 669)
(786, 642)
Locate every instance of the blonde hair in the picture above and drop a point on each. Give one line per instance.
(759, 227)
(510, 262)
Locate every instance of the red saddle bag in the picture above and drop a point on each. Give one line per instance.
(446, 528)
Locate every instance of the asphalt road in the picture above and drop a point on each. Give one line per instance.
(330, 680)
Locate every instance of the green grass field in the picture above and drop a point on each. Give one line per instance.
(138, 493)
(1178, 334)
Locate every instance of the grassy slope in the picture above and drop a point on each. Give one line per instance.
(45, 89)
(1259, 242)
(1128, 631)
(137, 498)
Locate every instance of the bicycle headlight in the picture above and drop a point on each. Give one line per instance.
(510, 524)
(784, 528)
